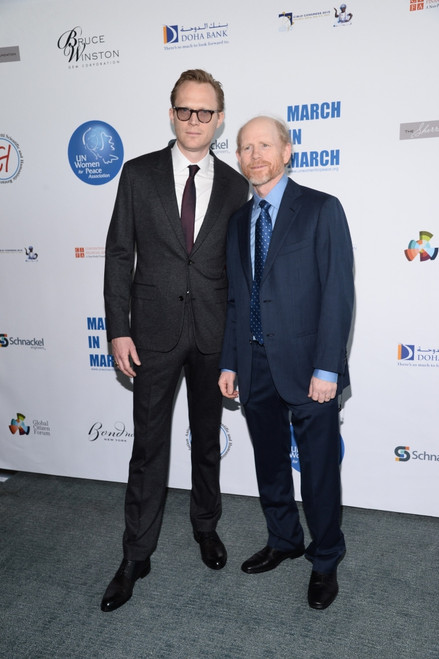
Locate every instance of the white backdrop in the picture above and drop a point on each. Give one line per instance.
(362, 101)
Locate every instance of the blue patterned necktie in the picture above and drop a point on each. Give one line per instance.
(262, 242)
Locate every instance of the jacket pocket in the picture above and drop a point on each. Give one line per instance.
(287, 248)
(144, 291)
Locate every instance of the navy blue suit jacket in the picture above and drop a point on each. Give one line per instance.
(306, 293)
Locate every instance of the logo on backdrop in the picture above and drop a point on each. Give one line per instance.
(9, 54)
(286, 21)
(18, 425)
(95, 152)
(34, 343)
(102, 360)
(39, 426)
(419, 129)
(406, 352)
(177, 37)
(342, 16)
(11, 159)
(31, 256)
(225, 440)
(421, 248)
(116, 434)
(319, 160)
(427, 4)
(220, 146)
(170, 34)
(89, 252)
(410, 355)
(403, 454)
(294, 455)
(82, 51)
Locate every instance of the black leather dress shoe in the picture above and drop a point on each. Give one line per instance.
(322, 590)
(121, 587)
(213, 552)
(268, 558)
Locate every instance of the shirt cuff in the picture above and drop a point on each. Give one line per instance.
(328, 376)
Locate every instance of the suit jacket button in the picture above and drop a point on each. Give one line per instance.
(181, 298)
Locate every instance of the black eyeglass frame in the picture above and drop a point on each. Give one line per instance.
(197, 112)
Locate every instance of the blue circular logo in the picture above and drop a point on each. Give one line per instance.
(95, 152)
(225, 440)
(295, 451)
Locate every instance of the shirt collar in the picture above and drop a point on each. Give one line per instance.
(181, 163)
(275, 195)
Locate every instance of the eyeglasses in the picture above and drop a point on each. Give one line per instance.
(203, 116)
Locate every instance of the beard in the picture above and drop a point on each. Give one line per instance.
(271, 171)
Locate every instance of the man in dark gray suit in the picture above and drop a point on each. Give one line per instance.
(167, 313)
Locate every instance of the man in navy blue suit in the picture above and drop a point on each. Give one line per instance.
(291, 292)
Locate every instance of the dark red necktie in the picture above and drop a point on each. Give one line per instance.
(188, 208)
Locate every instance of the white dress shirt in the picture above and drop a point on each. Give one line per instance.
(203, 183)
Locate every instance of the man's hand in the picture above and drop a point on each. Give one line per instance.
(226, 383)
(322, 391)
(123, 349)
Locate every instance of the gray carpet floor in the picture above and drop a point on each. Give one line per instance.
(61, 544)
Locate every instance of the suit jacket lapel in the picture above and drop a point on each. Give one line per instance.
(286, 215)
(214, 208)
(244, 240)
(164, 182)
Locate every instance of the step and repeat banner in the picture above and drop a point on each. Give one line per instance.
(85, 86)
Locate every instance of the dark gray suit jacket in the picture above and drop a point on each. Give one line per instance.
(149, 275)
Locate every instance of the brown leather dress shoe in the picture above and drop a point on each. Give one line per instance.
(121, 586)
(269, 558)
(322, 590)
(213, 552)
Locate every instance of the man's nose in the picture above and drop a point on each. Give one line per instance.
(194, 118)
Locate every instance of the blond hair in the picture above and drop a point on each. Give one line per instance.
(198, 75)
